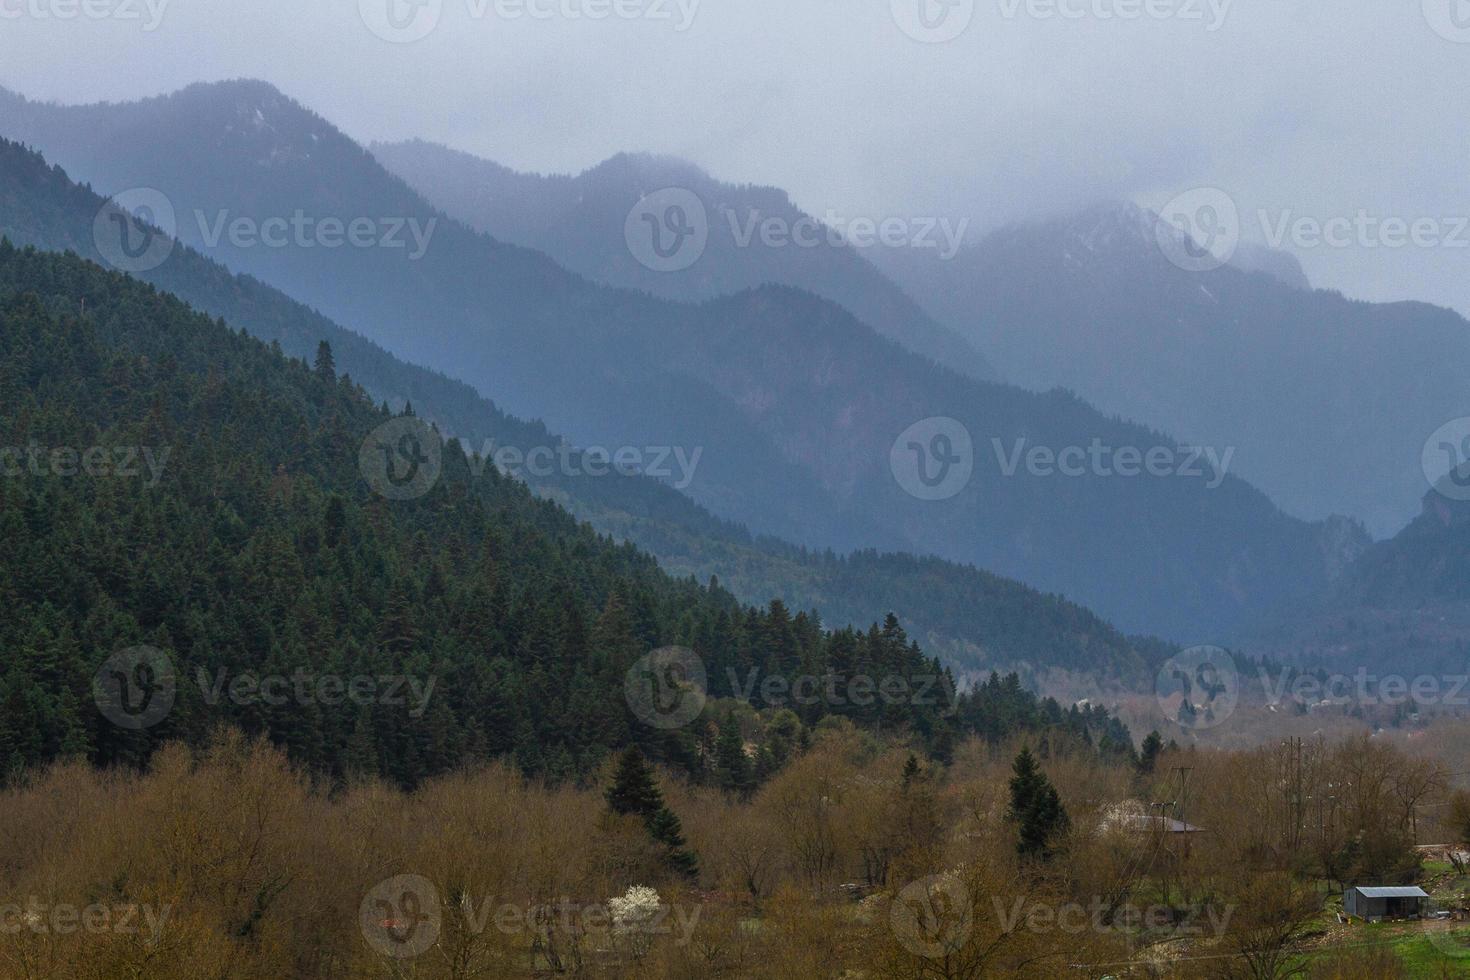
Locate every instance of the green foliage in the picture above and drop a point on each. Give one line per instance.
(1459, 820)
(635, 792)
(732, 765)
(259, 551)
(911, 770)
(1035, 808)
(325, 365)
(1153, 744)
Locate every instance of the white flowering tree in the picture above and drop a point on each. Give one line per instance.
(634, 914)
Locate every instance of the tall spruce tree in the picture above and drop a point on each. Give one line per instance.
(326, 364)
(1148, 758)
(732, 765)
(635, 792)
(911, 770)
(1035, 808)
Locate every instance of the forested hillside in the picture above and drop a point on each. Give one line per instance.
(796, 403)
(255, 548)
(974, 620)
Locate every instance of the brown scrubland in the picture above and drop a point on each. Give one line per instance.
(851, 862)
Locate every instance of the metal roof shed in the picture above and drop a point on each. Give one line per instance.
(1385, 902)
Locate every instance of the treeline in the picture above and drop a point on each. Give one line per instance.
(485, 622)
(977, 620)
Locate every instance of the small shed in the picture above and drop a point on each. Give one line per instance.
(1385, 902)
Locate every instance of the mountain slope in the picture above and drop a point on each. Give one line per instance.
(1402, 608)
(545, 343)
(484, 621)
(1327, 401)
(978, 622)
(796, 405)
(579, 221)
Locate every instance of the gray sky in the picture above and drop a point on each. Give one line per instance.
(1298, 108)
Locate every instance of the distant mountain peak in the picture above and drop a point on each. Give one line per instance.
(246, 88)
(1106, 226)
(1116, 215)
(1274, 262)
(1120, 230)
(1111, 225)
(275, 127)
(640, 162)
(650, 172)
(247, 97)
(580, 221)
(244, 93)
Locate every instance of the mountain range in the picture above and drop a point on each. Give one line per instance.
(1401, 609)
(805, 414)
(581, 222)
(575, 220)
(1086, 301)
(977, 621)
(1327, 401)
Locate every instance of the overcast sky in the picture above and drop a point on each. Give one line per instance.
(1298, 108)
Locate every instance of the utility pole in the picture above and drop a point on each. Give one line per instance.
(1161, 843)
(1183, 772)
(1180, 810)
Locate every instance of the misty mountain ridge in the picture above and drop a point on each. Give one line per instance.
(1118, 233)
(1044, 274)
(1404, 604)
(797, 403)
(977, 621)
(580, 221)
(1326, 400)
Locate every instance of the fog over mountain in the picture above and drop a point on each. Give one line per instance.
(1327, 401)
(1035, 109)
(773, 489)
(755, 236)
(1088, 301)
(810, 425)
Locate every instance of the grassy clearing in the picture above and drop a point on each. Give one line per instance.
(1421, 958)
